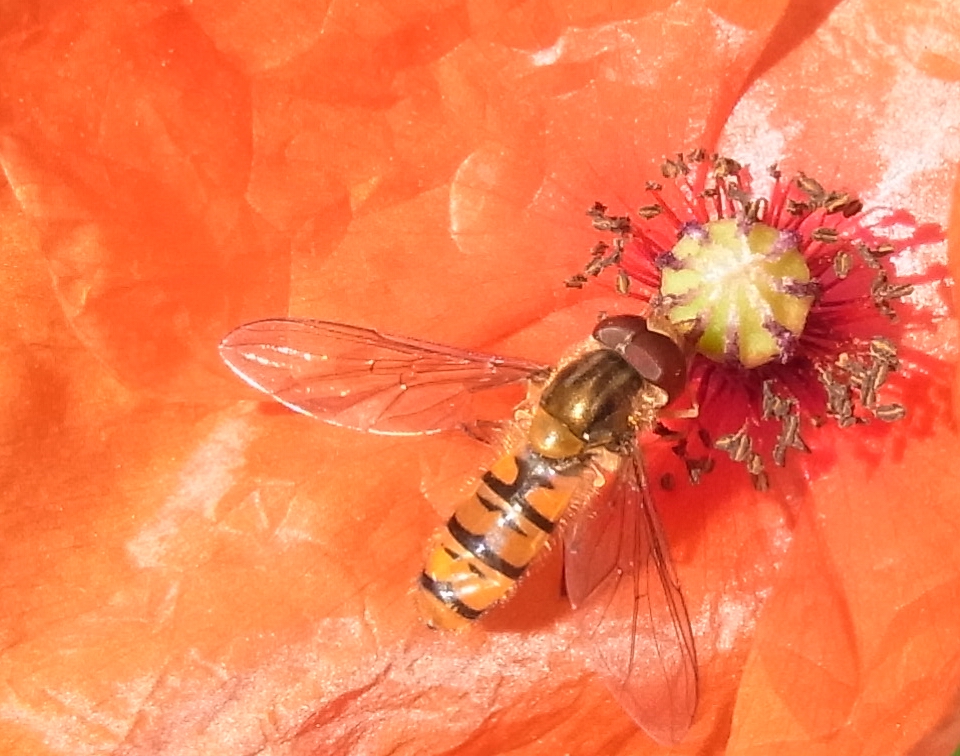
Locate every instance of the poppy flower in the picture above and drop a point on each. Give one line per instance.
(189, 567)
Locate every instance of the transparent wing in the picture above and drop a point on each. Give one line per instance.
(620, 578)
(362, 379)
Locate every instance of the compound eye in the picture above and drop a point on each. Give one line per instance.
(657, 358)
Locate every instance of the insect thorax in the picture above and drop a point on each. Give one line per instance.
(591, 402)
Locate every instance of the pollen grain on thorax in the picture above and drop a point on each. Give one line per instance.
(788, 301)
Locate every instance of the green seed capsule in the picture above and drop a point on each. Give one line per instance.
(744, 287)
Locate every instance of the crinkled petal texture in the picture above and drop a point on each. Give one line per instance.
(189, 570)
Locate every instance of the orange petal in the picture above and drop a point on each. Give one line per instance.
(226, 576)
(851, 653)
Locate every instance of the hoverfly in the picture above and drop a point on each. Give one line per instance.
(576, 440)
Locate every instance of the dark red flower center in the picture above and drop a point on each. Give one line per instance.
(788, 302)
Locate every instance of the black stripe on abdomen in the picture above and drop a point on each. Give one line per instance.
(477, 545)
(511, 494)
(444, 593)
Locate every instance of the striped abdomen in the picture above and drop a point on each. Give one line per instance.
(493, 536)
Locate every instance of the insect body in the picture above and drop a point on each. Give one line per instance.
(492, 537)
(578, 443)
(588, 415)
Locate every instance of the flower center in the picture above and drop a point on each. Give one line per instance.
(742, 289)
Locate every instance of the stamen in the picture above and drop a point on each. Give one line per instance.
(787, 302)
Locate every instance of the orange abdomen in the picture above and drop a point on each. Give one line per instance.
(493, 536)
